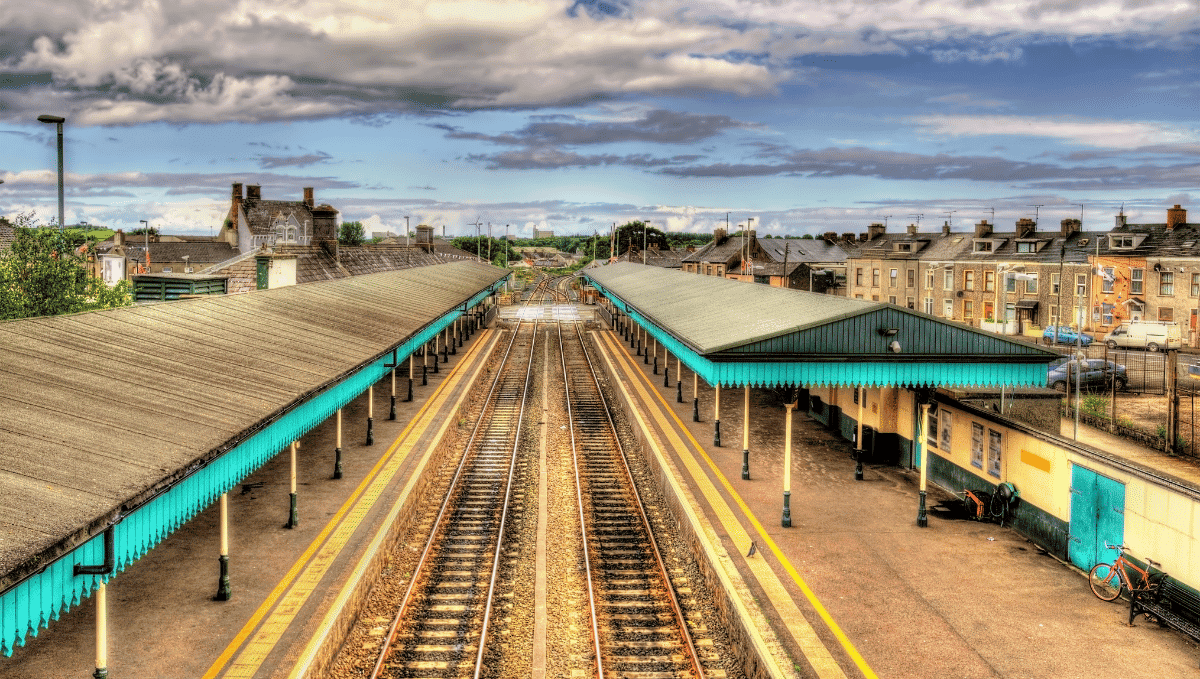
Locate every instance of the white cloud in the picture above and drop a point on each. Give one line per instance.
(1119, 134)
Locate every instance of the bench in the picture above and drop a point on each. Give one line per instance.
(1171, 605)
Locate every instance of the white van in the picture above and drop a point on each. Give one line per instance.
(1152, 335)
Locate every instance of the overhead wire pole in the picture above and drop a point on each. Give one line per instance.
(477, 224)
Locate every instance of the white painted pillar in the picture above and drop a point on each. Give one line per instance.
(371, 415)
(746, 436)
(717, 415)
(922, 516)
(101, 631)
(294, 516)
(861, 392)
(787, 466)
(223, 590)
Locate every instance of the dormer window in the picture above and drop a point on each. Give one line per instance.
(1125, 241)
(903, 247)
(1028, 246)
(983, 246)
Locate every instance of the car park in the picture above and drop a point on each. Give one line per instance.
(1065, 335)
(1096, 373)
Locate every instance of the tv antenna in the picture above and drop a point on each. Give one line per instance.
(950, 217)
(1036, 209)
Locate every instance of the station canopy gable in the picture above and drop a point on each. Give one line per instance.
(735, 333)
(137, 418)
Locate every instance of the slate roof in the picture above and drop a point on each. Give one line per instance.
(96, 415)
(959, 246)
(1182, 241)
(803, 250)
(315, 263)
(669, 259)
(205, 251)
(261, 214)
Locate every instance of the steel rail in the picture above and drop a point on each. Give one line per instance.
(487, 613)
(587, 563)
(434, 532)
(681, 621)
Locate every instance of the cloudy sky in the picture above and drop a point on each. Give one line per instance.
(807, 115)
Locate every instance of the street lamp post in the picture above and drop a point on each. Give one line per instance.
(146, 232)
(58, 120)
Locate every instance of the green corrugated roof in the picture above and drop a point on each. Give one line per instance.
(730, 320)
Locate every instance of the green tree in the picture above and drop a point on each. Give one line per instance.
(352, 233)
(44, 274)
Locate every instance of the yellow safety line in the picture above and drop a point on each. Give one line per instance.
(349, 587)
(333, 523)
(719, 505)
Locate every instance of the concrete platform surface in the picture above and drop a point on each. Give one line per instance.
(956, 599)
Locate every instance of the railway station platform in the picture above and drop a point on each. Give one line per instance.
(854, 588)
(163, 621)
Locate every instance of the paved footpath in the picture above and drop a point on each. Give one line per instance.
(885, 598)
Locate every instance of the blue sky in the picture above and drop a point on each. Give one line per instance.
(807, 116)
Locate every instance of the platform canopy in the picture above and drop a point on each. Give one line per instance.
(734, 333)
(135, 419)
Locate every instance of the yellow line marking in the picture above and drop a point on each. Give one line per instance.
(736, 532)
(309, 654)
(290, 576)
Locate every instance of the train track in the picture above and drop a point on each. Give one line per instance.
(442, 623)
(638, 627)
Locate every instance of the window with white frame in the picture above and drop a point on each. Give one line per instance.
(1055, 284)
(1109, 278)
(989, 281)
(977, 444)
(944, 423)
(1166, 284)
(948, 279)
(994, 448)
(929, 279)
(892, 277)
(1031, 284)
(1136, 278)
(1081, 285)
(929, 305)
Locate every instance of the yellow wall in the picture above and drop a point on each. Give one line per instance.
(1162, 520)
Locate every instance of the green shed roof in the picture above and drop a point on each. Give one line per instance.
(740, 333)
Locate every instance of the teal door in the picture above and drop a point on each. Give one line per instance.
(1097, 516)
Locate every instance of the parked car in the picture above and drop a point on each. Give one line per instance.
(1065, 335)
(1096, 373)
(1149, 335)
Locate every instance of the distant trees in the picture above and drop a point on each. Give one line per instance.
(45, 274)
(352, 233)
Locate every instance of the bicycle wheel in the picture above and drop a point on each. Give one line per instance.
(1105, 581)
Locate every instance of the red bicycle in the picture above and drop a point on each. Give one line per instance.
(1107, 580)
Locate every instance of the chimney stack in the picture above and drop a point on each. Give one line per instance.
(253, 192)
(830, 236)
(983, 229)
(1120, 220)
(1176, 216)
(118, 238)
(946, 228)
(236, 204)
(848, 237)
(1026, 227)
(1070, 226)
(719, 236)
(875, 230)
(308, 197)
(912, 229)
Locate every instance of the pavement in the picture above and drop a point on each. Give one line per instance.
(956, 599)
